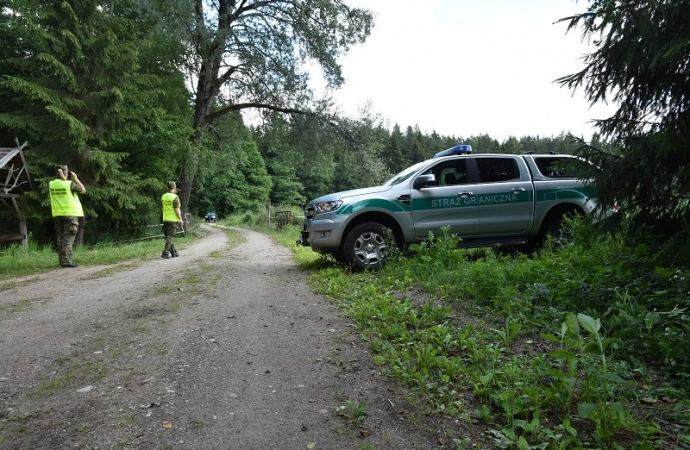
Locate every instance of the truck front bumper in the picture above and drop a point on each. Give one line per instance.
(320, 234)
(303, 239)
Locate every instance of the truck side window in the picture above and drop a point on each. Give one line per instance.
(492, 170)
(450, 173)
(560, 167)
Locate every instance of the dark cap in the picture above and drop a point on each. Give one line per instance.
(171, 184)
(62, 167)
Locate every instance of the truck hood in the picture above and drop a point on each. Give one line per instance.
(352, 193)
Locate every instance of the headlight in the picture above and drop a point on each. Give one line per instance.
(328, 206)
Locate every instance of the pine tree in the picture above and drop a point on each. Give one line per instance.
(392, 154)
(641, 64)
(71, 87)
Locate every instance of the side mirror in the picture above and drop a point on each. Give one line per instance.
(423, 181)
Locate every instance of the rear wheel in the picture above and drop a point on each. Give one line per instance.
(559, 231)
(366, 246)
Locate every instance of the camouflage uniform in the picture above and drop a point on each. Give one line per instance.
(170, 203)
(66, 210)
(66, 230)
(169, 230)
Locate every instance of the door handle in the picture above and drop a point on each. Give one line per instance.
(517, 190)
(465, 194)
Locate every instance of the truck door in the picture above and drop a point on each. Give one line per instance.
(443, 204)
(504, 195)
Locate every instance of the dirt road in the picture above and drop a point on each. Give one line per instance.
(221, 348)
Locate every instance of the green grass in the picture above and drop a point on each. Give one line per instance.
(22, 305)
(116, 268)
(15, 262)
(575, 347)
(77, 376)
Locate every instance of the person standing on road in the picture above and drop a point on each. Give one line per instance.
(171, 217)
(66, 210)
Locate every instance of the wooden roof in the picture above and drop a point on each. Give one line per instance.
(14, 175)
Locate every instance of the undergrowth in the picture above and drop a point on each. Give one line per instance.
(581, 346)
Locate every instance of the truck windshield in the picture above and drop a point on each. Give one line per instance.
(405, 174)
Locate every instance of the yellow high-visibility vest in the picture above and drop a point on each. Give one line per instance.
(64, 202)
(168, 200)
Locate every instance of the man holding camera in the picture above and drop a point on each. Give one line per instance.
(66, 210)
(171, 217)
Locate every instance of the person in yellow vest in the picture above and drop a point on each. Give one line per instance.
(171, 217)
(66, 210)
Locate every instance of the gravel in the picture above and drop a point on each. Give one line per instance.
(221, 348)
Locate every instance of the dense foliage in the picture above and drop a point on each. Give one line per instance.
(257, 54)
(78, 84)
(641, 64)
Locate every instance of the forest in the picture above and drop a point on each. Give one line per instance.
(134, 93)
(108, 89)
(131, 94)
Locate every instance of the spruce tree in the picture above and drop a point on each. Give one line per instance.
(641, 65)
(72, 87)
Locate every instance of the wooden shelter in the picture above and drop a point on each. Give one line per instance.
(14, 181)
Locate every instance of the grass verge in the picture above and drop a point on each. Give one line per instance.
(582, 346)
(15, 262)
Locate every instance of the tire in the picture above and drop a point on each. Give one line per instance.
(339, 257)
(366, 247)
(559, 232)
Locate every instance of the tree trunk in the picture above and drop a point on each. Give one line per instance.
(79, 240)
(187, 178)
(205, 98)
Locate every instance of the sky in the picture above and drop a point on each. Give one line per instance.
(470, 67)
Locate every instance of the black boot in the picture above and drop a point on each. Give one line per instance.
(165, 255)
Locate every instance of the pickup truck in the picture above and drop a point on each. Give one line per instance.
(483, 199)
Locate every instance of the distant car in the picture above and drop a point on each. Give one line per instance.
(211, 217)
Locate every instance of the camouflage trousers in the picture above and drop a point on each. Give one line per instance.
(66, 228)
(169, 230)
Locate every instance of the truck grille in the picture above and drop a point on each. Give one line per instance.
(309, 212)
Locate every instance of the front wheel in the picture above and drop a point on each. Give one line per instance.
(366, 246)
(339, 257)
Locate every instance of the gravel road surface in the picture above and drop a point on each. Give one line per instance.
(224, 347)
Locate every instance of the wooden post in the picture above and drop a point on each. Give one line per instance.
(186, 223)
(15, 206)
(25, 235)
(14, 181)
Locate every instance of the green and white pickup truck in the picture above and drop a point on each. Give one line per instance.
(484, 199)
